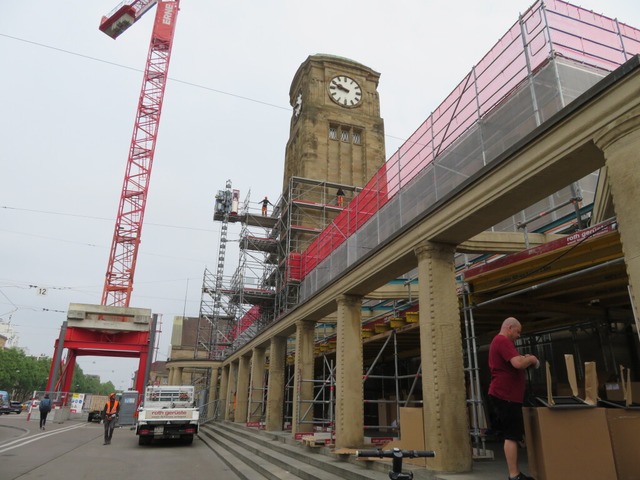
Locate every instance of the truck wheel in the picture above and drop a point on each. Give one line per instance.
(187, 439)
(144, 439)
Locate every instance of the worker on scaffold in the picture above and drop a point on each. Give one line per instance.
(340, 197)
(265, 202)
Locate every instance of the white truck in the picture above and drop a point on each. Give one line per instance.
(167, 411)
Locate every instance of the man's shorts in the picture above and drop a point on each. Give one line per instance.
(509, 416)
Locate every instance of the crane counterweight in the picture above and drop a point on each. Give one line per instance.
(119, 22)
(124, 15)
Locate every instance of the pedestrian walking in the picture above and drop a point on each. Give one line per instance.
(110, 417)
(45, 408)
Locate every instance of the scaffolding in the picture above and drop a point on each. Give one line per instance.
(306, 209)
(475, 401)
(554, 53)
(265, 283)
(257, 400)
(217, 312)
(248, 290)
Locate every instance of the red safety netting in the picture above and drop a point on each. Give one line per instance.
(550, 28)
(246, 321)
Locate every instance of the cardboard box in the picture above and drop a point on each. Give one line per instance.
(615, 392)
(569, 444)
(624, 430)
(565, 390)
(412, 434)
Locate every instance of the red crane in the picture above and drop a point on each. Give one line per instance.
(126, 238)
(118, 283)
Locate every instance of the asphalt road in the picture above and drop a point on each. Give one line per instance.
(74, 449)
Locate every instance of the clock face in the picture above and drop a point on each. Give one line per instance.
(345, 91)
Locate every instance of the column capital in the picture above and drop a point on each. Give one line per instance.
(622, 126)
(433, 249)
(305, 324)
(348, 300)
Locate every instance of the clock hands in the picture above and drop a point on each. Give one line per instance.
(339, 86)
(345, 91)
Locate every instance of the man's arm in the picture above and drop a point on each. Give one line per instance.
(524, 361)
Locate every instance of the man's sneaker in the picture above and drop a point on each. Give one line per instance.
(521, 476)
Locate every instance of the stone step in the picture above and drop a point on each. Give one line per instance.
(320, 455)
(264, 464)
(243, 470)
(278, 457)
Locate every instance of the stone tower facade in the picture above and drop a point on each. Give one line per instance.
(336, 144)
(337, 134)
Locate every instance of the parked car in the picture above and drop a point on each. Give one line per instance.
(5, 404)
(16, 407)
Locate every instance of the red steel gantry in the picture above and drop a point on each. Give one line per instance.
(126, 238)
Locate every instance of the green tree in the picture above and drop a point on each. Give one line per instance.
(21, 375)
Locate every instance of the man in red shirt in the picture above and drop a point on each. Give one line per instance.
(506, 390)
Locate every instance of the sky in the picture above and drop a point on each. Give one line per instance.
(68, 99)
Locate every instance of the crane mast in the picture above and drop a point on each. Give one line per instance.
(125, 342)
(129, 220)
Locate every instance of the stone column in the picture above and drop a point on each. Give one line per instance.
(175, 376)
(257, 385)
(213, 385)
(620, 142)
(302, 384)
(275, 389)
(446, 423)
(242, 393)
(224, 394)
(230, 404)
(349, 388)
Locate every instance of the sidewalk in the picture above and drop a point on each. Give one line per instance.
(486, 469)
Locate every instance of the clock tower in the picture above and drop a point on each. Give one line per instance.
(336, 144)
(336, 133)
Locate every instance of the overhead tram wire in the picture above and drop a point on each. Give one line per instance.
(191, 84)
(184, 82)
(48, 212)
